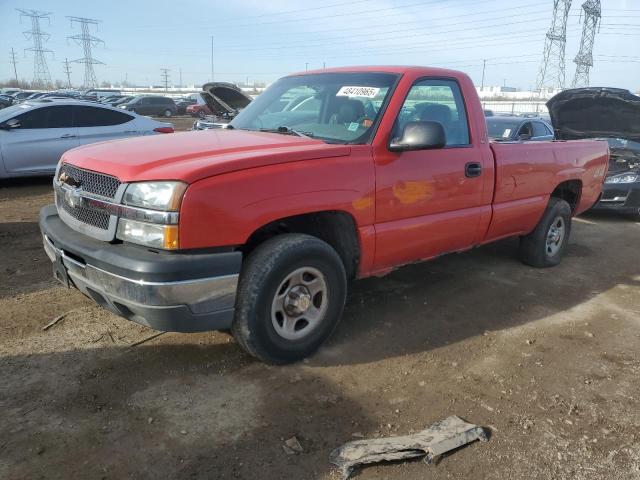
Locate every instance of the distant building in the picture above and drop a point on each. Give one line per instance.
(513, 93)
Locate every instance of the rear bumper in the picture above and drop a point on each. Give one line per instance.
(166, 291)
(620, 198)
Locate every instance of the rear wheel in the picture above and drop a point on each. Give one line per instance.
(290, 298)
(545, 246)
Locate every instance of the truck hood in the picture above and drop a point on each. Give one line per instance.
(595, 112)
(224, 98)
(192, 156)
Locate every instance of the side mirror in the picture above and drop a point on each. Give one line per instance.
(9, 124)
(419, 136)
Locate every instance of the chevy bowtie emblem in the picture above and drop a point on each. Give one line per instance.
(68, 180)
(73, 197)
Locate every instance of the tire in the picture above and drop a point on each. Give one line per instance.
(545, 246)
(167, 113)
(270, 322)
(201, 114)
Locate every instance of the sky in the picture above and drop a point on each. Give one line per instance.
(262, 40)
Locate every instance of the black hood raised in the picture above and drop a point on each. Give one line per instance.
(224, 99)
(595, 112)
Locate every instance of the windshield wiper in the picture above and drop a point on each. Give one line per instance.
(287, 131)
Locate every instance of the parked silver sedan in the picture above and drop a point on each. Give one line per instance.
(35, 134)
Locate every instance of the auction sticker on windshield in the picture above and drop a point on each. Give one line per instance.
(366, 92)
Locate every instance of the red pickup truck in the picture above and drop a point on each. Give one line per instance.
(326, 177)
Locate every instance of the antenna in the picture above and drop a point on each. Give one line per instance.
(552, 69)
(87, 41)
(584, 59)
(41, 75)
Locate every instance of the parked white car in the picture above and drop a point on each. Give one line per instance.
(35, 134)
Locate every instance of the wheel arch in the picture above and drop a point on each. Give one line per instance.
(569, 191)
(335, 227)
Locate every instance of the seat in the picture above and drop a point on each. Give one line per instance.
(349, 111)
(436, 112)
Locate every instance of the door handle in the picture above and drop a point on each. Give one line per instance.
(472, 169)
(68, 135)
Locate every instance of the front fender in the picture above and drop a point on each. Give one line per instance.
(226, 209)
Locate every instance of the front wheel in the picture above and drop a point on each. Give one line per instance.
(167, 113)
(291, 296)
(545, 246)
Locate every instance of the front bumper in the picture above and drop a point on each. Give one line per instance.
(623, 198)
(177, 292)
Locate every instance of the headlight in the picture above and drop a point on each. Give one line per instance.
(624, 178)
(148, 234)
(164, 196)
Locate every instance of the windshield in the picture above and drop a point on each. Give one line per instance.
(335, 107)
(500, 129)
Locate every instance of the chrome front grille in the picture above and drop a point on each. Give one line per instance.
(100, 225)
(85, 215)
(92, 182)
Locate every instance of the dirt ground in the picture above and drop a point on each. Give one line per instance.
(548, 360)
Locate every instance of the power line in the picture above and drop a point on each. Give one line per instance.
(87, 41)
(552, 69)
(14, 62)
(584, 59)
(420, 25)
(378, 34)
(67, 70)
(41, 75)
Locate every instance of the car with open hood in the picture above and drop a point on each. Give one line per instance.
(223, 101)
(612, 114)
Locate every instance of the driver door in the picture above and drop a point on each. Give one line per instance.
(430, 202)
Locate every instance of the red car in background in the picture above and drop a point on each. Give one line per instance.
(197, 110)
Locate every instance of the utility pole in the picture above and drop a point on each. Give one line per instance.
(13, 60)
(212, 78)
(484, 66)
(306, 66)
(41, 73)
(324, 65)
(87, 41)
(584, 59)
(67, 70)
(552, 69)
(180, 70)
(165, 77)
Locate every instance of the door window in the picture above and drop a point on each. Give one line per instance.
(526, 130)
(439, 101)
(98, 117)
(539, 130)
(48, 117)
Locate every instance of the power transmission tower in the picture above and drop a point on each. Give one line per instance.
(67, 70)
(552, 69)
(14, 62)
(165, 78)
(87, 41)
(584, 59)
(41, 75)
